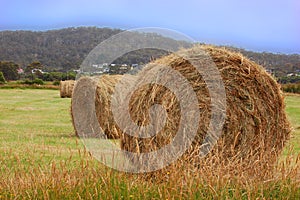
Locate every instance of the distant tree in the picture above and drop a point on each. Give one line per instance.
(2, 79)
(69, 76)
(9, 70)
(47, 77)
(33, 65)
(39, 74)
(56, 76)
(29, 69)
(38, 81)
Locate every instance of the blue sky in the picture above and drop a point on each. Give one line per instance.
(260, 25)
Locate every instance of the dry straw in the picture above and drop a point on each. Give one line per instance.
(102, 97)
(104, 93)
(256, 127)
(66, 88)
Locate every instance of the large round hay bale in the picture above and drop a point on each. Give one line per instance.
(66, 88)
(256, 126)
(101, 98)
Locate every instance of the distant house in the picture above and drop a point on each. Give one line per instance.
(20, 71)
(98, 72)
(99, 66)
(37, 70)
(77, 70)
(123, 67)
(292, 74)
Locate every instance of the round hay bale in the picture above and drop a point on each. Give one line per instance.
(102, 103)
(256, 126)
(66, 88)
(104, 92)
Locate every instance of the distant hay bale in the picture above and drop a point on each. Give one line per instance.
(256, 126)
(66, 88)
(101, 100)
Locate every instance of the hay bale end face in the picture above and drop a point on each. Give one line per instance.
(105, 87)
(104, 92)
(66, 88)
(256, 126)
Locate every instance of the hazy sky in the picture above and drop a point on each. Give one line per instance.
(260, 25)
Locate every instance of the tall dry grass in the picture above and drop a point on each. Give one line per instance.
(85, 178)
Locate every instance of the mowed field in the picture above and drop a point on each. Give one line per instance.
(40, 158)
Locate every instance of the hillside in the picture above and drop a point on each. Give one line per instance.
(279, 64)
(56, 49)
(65, 49)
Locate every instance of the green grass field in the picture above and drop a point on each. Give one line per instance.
(293, 111)
(40, 158)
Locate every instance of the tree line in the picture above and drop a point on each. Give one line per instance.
(12, 71)
(64, 50)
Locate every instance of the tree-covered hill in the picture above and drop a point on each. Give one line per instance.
(62, 49)
(279, 64)
(65, 49)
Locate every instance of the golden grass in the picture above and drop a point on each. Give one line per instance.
(88, 179)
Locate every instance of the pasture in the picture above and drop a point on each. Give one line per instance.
(40, 157)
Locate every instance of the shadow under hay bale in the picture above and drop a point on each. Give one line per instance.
(256, 126)
(66, 88)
